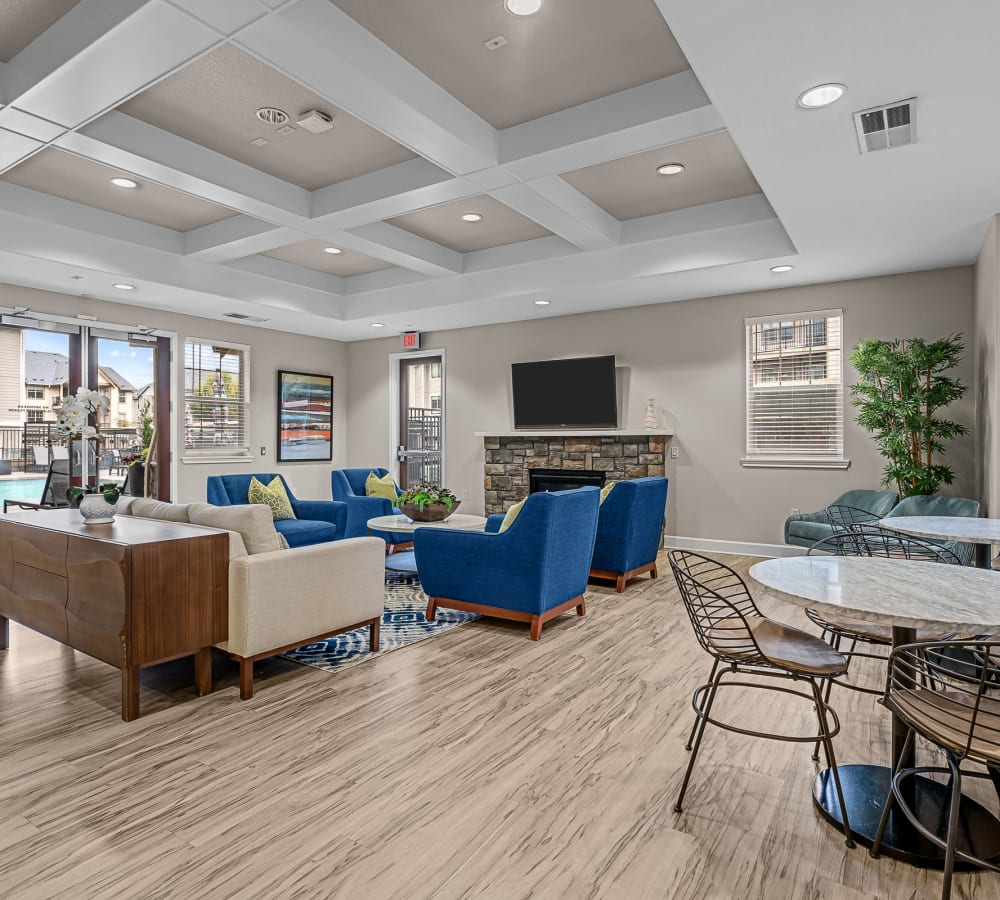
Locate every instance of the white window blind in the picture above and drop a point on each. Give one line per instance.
(216, 399)
(795, 394)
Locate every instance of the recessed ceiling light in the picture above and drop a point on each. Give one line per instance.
(124, 182)
(471, 217)
(332, 250)
(76, 277)
(272, 115)
(378, 324)
(522, 7)
(821, 95)
(670, 169)
(785, 268)
(124, 287)
(542, 302)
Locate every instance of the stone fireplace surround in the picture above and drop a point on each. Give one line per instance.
(622, 455)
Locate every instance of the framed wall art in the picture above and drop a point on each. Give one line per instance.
(305, 417)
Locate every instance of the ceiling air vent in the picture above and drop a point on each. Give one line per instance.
(243, 317)
(887, 127)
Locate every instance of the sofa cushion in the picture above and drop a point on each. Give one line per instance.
(273, 496)
(380, 487)
(809, 531)
(511, 515)
(253, 522)
(158, 509)
(304, 532)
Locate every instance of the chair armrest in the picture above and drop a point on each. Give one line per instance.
(284, 596)
(334, 511)
(372, 506)
(494, 522)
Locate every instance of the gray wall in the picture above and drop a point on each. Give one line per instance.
(987, 374)
(270, 351)
(689, 356)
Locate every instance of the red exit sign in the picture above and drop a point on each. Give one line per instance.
(411, 340)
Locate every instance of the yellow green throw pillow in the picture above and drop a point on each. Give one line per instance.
(607, 490)
(380, 487)
(508, 519)
(272, 495)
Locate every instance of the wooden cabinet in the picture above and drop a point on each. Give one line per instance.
(132, 593)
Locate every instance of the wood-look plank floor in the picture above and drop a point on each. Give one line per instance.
(477, 764)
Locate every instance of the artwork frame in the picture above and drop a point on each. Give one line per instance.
(305, 417)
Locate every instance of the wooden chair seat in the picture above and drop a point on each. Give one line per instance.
(780, 645)
(872, 632)
(946, 717)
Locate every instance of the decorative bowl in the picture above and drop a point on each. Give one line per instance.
(96, 510)
(432, 512)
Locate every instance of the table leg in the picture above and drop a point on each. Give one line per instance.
(203, 671)
(866, 788)
(983, 552)
(130, 693)
(4, 633)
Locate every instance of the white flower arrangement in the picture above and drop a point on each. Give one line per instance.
(75, 413)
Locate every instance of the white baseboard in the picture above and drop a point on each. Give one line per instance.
(706, 545)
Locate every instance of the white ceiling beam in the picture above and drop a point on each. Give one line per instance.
(633, 121)
(99, 54)
(399, 247)
(324, 49)
(125, 142)
(555, 204)
(237, 237)
(15, 147)
(289, 273)
(225, 16)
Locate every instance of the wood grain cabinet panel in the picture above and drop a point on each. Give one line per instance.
(131, 594)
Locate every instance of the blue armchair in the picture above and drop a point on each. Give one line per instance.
(536, 570)
(927, 505)
(348, 486)
(629, 530)
(315, 522)
(804, 529)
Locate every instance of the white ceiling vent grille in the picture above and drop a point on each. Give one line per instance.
(887, 127)
(243, 317)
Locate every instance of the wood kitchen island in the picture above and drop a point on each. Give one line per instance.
(132, 593)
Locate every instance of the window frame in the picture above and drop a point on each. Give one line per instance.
(223, 452)
(773, 340)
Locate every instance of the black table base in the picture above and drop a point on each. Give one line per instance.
(865, 791)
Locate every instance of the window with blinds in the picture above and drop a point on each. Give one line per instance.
(216, 399)
(795, 394)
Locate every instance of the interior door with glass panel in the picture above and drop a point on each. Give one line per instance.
(421, 421)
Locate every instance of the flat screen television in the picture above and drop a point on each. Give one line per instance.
(565, 393)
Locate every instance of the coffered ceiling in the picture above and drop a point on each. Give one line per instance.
(554, 137)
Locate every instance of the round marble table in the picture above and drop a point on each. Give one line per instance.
(981, 532)
(402, 566)
(906, 595)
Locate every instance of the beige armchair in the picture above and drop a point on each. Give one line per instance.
(280, 599)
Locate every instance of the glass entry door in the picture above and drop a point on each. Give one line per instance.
(421, 419)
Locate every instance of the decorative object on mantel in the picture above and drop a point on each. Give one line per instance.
(428, 503)
(96, 503)
(649, 422)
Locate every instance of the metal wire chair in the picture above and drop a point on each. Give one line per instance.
(872, 540)
(843, 517)
(744, 642)
(952, 710)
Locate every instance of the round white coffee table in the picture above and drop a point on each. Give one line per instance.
(403, 565)
(906, 595)
(967, 529)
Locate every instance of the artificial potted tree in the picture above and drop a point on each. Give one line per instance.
(901, 387)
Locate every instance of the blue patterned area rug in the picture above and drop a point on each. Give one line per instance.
(403, 623)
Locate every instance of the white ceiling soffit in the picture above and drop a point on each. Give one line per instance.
(72, 79)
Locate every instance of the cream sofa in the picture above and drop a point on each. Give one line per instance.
(280, 599)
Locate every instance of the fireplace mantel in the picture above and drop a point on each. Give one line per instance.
(566, 432)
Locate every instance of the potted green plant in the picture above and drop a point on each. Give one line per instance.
(428, 503)
(901, 386)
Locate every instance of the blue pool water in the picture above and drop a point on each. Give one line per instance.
(22, 489)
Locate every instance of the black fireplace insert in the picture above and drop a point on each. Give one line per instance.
(563, 479)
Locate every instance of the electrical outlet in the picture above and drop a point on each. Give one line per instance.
(464, 494)
(795, 510)
(263, 451)
(675, 452)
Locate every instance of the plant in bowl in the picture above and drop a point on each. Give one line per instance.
(428, 503)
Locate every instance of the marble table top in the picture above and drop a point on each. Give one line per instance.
(405, 524)
(899, 592)
(947, 528)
